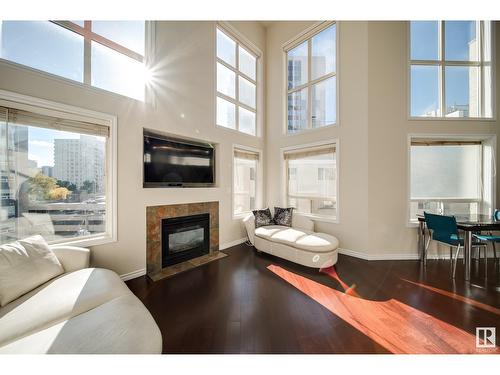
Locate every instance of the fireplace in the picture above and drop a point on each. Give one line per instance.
(169, 250)
(184, 238)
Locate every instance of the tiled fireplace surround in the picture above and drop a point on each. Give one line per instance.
(154, 216)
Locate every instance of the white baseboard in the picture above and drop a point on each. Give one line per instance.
(399, 256)
(232, 243)
(133, 274)
(380, 256)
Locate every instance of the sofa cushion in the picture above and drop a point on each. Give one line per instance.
(263, 217)
(58, 300)
(317, 242)
(120, 326)
(283, 216)
(25, 265)
(268, 231)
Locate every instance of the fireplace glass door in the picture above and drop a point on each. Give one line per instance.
(184, 238)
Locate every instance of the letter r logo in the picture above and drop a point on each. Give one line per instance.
(485, 337)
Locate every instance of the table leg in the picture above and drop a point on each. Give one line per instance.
(421, 240)
(467, 253)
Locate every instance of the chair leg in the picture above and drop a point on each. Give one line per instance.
(494, 250)
(485, 263)
(455, 262)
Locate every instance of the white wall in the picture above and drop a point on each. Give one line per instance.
(372, 131)
(185, 82)
(352, 131)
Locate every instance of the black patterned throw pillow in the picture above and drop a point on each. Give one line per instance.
(283, 216)
(263, 217)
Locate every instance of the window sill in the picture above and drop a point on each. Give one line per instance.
(68, 81)
(86, 241)
(241, 215)
(237, 131)
(325, 219)
(311, 130)
(412, 224)
(475, 119)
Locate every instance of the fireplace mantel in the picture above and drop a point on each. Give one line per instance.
(154, 216)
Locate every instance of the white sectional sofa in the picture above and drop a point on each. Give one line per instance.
(298, 243)
(84, 310)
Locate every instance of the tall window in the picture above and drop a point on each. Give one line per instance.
(53, 177)
(450, 69)
(446, 176)
(236, 85)
(311, 175)
(311, 77)
(104, 54)
(245, 172)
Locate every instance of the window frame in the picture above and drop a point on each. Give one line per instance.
(259, 174)
(239, 40)
(42, 106)
(441, 63)
(149, 52)
(491, 185)
(284, 178)
(307, 35)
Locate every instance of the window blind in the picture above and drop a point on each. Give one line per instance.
(22, 117)
(244, 154)
(310, 151)
(438, 142)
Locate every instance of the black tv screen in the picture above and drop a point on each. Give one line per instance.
(174, 162)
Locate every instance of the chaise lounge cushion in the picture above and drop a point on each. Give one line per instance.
(268, 231)
(298, 238)
(317, 242)
(289, 236)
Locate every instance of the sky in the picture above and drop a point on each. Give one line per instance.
(41, 144)
(425, 46)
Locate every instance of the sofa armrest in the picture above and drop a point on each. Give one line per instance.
(249, 222)
(72, 258)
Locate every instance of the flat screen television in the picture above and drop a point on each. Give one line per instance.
(174, 162)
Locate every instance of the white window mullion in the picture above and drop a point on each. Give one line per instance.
(481, 92)
(87, 57)
(237, 93)
(442, 78)
(309, 86)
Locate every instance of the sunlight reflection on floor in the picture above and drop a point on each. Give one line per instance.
(397, 327)
(458, 297)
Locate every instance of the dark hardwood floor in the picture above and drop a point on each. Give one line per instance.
(256, 303)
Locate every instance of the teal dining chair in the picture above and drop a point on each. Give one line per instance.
(486, 239)
(444, 230)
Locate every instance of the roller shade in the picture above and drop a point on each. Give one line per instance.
(248, 155)
(310, 151)
(22, 117)
(3, 114)
(438, 142)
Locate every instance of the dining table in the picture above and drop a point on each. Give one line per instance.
(469, 224)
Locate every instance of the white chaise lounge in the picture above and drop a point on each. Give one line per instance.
(83, 310)
(299, 243)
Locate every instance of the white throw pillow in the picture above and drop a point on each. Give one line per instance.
(25, 265)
